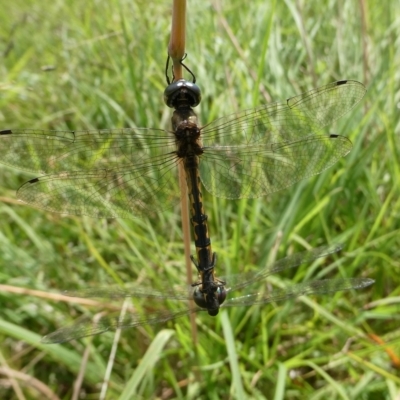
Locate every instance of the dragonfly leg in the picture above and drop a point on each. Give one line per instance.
(196, 264)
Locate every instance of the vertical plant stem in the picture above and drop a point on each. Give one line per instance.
(176, 50)
(176, 46)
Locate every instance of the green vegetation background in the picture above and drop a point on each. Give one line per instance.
(108, 58)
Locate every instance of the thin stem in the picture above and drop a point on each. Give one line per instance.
(113, 352)
(176, 50)
(176, 46)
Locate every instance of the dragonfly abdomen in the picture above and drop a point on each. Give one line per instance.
(199, 218)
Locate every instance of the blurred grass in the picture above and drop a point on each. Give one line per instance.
(81, 65)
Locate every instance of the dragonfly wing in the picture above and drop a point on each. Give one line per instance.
(315, 287)
(184, 292)
(86, 326)
(109, 173)
(48, 152)
(235, 282)
(132, 191)
(254, 171)
(286, 121)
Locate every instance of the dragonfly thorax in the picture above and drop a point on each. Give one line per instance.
(187, 136)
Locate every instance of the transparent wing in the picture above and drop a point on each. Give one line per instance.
(240, 281)
(134, 191)
(266, 149)
(86, 326)
(50, 152)
(254, 171)
(314, 287)
(288, 121)
(182, 292)
(112, 173)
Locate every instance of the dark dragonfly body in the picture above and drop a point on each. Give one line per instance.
(182, 95)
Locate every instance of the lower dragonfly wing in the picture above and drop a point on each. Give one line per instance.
(86, 326)
(235, 282)
(254, 171)
(134, 190)
(182, 292)
(315, 287)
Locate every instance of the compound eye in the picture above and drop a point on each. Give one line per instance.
(182, 89)
(199, 298)
(221, 294)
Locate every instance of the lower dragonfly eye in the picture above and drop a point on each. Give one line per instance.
(221, 294)
(199, 298)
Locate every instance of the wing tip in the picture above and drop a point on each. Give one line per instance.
(350, 82)
(51, 339)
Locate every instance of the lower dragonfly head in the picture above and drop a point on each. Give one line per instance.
(210, 297)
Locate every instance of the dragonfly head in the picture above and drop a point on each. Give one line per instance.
(182, 93)
(210, 299)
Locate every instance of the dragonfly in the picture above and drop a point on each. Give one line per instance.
(227, 286)
(131, 172)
